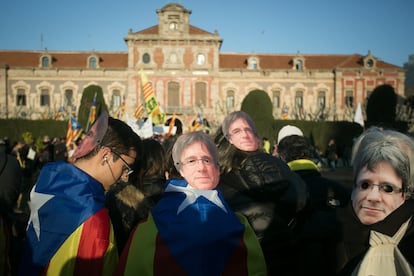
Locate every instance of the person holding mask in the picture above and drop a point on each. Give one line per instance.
(192, 231)
(378, 230)
(262, 188)
(69, 231)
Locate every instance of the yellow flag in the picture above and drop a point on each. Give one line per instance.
(151, 105)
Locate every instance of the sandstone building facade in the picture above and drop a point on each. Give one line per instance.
(190, 75)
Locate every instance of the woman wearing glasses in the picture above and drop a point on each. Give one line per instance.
(192, 231)
(378, 230)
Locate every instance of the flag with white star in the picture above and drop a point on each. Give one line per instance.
(69, 229)
(192, 232)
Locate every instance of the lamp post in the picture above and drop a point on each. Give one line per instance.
(6, 69)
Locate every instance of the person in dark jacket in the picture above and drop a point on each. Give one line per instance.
(10, 185)
(325, 195)
(261, 187)
(296, 151)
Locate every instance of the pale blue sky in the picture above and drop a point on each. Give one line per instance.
(263, 26)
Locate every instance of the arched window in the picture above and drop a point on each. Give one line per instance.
(253, 64)
(93, 63)
(45, 62)
(299, 65)
(146, 58)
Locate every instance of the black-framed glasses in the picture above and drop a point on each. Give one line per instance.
(127, 167)
(387, 188)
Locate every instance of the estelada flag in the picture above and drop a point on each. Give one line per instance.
(73, 132)
(192, 232)
(69, 231)
(92, 114)
(151, 105)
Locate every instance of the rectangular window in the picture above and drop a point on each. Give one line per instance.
(44, 98)
(230, 100)
(116, 99)
(349, 98)
(68, 97)
(173, 94)
(276, 99)
(321, 100)
(200, 94)
(21, 97)
(299, 99)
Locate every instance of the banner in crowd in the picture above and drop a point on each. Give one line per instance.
(151, 105)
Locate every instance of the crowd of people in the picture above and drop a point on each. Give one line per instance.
(205, 204)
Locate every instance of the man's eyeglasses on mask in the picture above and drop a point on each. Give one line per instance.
(384, 187)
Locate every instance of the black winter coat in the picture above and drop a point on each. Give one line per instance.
(10, 182)
(269, 194)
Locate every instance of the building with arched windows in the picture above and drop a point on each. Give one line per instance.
(190, 75)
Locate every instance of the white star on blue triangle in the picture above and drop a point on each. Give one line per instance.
(193, 194)
(36, 202)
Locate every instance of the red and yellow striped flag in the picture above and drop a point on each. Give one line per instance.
(92, 114)
(139, 111)
(151, 105)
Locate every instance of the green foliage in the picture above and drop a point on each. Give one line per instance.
(86, 103)
(258, 105)
(381, 106)
(14, 128)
